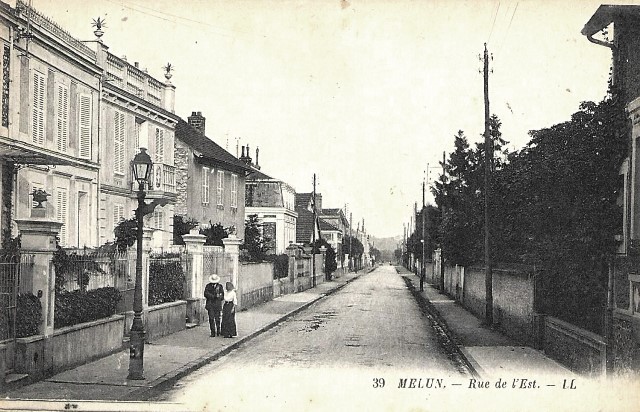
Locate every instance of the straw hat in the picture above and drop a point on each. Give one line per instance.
(214, 278)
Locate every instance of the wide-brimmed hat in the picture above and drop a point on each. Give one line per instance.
(214, 278)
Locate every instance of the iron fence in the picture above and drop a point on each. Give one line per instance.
(12, 265)
(89, 269)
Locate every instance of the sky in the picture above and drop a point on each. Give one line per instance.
(365, 94)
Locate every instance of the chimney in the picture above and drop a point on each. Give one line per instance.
(318, 203)
(197, 121)
(248, 158)
(257, 152)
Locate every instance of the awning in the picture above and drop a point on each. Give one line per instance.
(28, 156)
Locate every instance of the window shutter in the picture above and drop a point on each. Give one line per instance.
(62, 213)
(205, 185)
(119, 140)
(62, 117)
(234, 191)
(159, 145)
(84, 107)
(220, 190)
(118, 214)
(39, 92)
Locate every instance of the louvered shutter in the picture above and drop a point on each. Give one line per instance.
(39, 93)
(159, 145)
(84, 107)
(62, 117)
(62, 213)
(220, 189)
(205, 185)
(234, 191)
(119, 143)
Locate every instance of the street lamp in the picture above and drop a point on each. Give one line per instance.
(141, 167)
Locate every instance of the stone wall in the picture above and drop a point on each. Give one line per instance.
(255, 284)
(625, 354)
(182, 159)
(578, 349)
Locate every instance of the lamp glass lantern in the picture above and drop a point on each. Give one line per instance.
(142, 166)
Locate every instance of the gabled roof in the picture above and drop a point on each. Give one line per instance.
(324, 225)
(331, 212)
(256, 174)
(304, 226)
(207, 149)
(303, 200)
(607, 14)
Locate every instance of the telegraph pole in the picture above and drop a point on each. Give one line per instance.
(488, 160)
(442, 211)
(313, 247)
(351, 261)
(422, 272)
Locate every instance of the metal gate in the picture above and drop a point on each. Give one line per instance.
(9, 283)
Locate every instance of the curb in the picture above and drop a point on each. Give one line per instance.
(469, 363)
(169, 379)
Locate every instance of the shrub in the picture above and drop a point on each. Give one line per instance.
(166, 280)
(79, 307)
(280, 265)
(28, 315)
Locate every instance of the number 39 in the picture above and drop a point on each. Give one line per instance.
(378, 382)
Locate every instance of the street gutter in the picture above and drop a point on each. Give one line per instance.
(447, 338)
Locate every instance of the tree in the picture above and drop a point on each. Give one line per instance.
(214, 234)
(182, 226)
(254, 242)
(330, 263)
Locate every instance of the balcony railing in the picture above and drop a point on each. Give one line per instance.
(164, 178)
(134, 80)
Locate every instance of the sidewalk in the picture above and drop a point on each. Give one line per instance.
(491, 354)
(166, 359)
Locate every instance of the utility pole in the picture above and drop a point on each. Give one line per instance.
(442, 211)
(422, 271)
(313, 244)
(351, 261)
(488, 160)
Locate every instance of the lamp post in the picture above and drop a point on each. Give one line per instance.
(141, 167)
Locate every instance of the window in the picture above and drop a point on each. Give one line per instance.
(119, 143)
(220, 189)
(118, 214)
(159, 146)
(38, 106)
(62, 117)
(234, 191)
(158, 219)
(84, 116)
(62, 214)
(205, 185)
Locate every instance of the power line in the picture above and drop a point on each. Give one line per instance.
(506, 35)
(494, 22)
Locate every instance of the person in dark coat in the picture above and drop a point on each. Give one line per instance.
(214, 293)
(229, 312)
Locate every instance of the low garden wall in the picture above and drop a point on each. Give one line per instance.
(69, 346)
(161, 320)
(578, 349)
(255, 285)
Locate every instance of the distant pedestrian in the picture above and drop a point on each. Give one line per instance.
(229, 312)
(214, 293)
(422, 278)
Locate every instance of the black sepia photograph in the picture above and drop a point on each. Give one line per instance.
(319, 205)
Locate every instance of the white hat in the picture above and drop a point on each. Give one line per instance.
(214, 278)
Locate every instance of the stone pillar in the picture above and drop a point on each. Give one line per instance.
(232, 253)
(195, 276)
(147, 234)
(39, 238)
